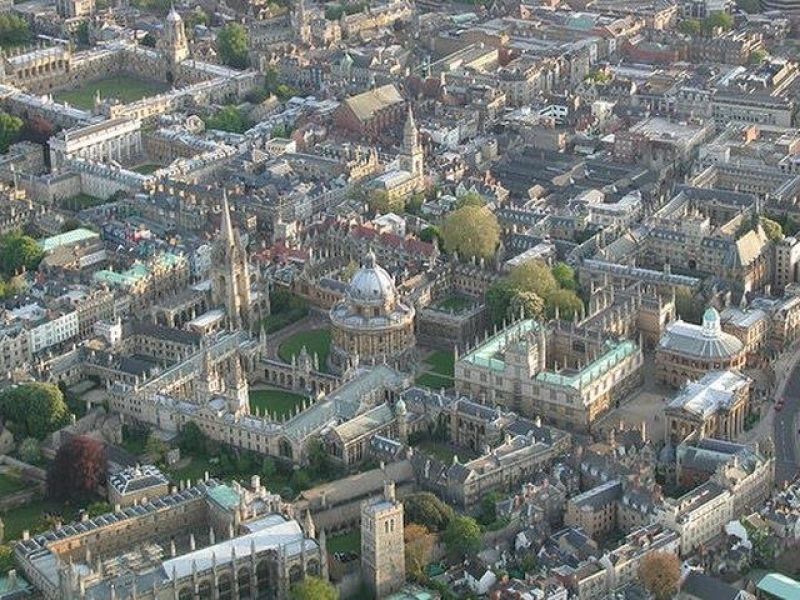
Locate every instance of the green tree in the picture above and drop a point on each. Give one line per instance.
(567, 303)
(7, 561)
(313, 588)
(10, 129)
(427, 509)
(30, 451)
(229, 118)
(381, 201)
(35, 409)
(18, 251)
(689, 307)
(472, 231)
(719, 19)
(268, 468)
(757, 57)
(533, 276)
(430, 233)
(470, 199)
(498, 300)
(192, 440)
(772, 228)
(565, 276)
(489, 509)
(149, 40)
(528, 305)
(232, 46)
(462, 536)
(14, 30)
(690, 27)
(155, 448)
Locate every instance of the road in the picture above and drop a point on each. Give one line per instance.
(785, 423)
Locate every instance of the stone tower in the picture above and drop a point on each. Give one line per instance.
(230, 273)
(301, 23)
(174, 45)
(383, 560)
(412, 157)
(239, 391)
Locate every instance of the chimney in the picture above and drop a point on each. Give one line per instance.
(388, 491)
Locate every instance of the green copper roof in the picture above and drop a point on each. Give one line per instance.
(225, 496)
(68, 238)
(489, 354)
(615, 353)
(780, 586)
(137, 271)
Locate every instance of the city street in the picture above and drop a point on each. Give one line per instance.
(785, 424)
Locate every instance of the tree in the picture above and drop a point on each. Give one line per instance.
(381, 201)
(690, 27)
(489, 509)
(419, 543)
(533, 276)
(462, 536)
(567, 303)
(430, 233)
(229, 118)
(18, 251)
(472, 231)
(498, 300)
(82, 33)
(313, 588)
(232, 46)
(470, 199)
(35, 409)
(10, 129)
(319, 460)
(77, 470)
(268, 468)
(155, 448)
(689, 307)
(772, 228)
(718, 20)
(428, 510)
(564, 276)
(6, 558)
(192, 440)
(29, 450)
(529, 305)
(660, 572)
(757, 57)
(38, 129)
(149, 40)
(14, 30)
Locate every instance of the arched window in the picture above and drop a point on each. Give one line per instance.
(243, 578)
(225, 587)
(204, 591)
(185, 594)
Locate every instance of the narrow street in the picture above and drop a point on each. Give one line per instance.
(785, 421)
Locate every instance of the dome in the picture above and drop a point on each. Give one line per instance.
(371, 284)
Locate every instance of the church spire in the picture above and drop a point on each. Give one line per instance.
(226, 227)
(410, 132)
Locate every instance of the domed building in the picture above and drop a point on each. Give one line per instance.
(371, 324)
(687, 351)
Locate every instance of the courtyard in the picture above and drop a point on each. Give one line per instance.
(275, 401)
(437, 370)
(125, 88)
(315, 341)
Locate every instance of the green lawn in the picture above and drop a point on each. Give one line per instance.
(442, 363)
(32, 516)
(80, 202)
(196, 469)
(315, 341)
(345, 542)
(125, 88)
(147, 169)
(438, 370)
(433, 381)
(279, 401)
(10, 484)
(444, 452)
(279, 320)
